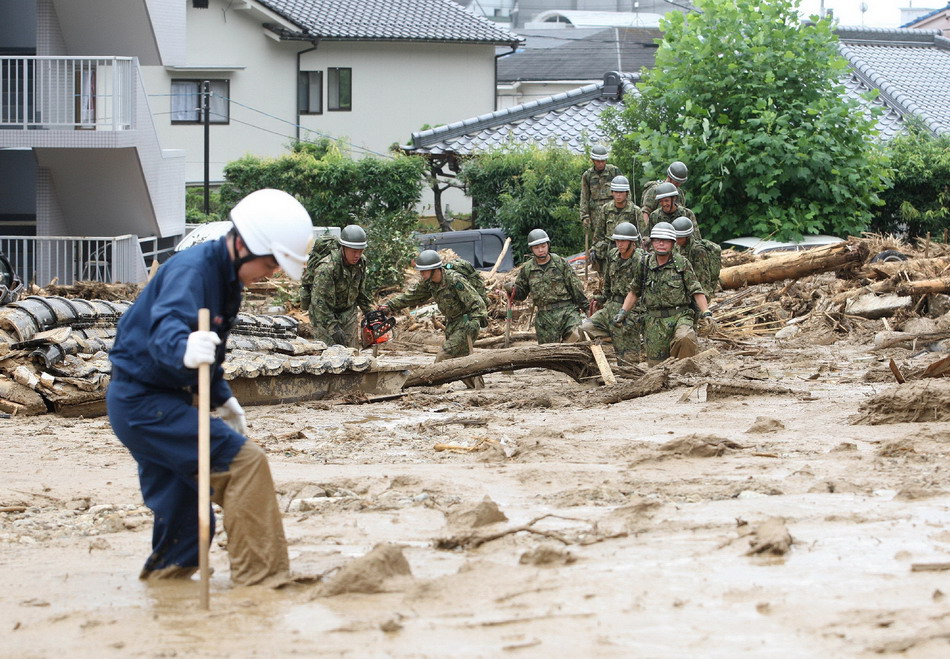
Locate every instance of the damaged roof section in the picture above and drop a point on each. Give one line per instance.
(909, 68)
(570, 120)
(387, 20)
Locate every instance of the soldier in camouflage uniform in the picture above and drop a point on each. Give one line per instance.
(669, 209)
(462, 307)
(620, 209)
(556, 291)
(622, 262)
(333, 288)
(676, 174)
(705, 256)
(666, 286)
(595, 189)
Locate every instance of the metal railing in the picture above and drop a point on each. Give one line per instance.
(67, 259)
(61, 93)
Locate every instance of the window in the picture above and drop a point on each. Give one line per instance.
(186, 102)
(340, 89)
(310, 92)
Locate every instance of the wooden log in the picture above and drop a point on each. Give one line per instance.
(924, 287)
(492, 341)
(887, 270)
(795, 264)
(886, 286)
(909, 340)
(573, 359)
(653, 381)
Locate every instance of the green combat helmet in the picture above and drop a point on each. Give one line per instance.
(353, 236)
(625, 231)
(664, 190)
(683, 227)
(663, 231)
(599, 152)
(678, 172)
(428, 260)
(537, 236)
(620, 184)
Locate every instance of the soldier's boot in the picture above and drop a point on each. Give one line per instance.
(684, 344)
(476, 382)
(574, 336)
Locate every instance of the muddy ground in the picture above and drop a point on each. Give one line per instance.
(649, 526)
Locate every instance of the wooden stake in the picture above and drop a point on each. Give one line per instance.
(501, 255)
(897, 372)
(204, 466)
(602, 364)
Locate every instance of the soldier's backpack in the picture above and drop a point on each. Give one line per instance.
(322, 246)
(472, 276)
(715, 260)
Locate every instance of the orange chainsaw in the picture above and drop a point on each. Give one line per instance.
(376, 327)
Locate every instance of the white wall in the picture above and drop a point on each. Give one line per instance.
(397, 87)
(510, 95)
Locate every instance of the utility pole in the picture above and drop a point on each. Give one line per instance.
(206, 110)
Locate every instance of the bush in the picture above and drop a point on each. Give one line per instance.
(918, 200)
(195, 205)
(379, 195)
(750, 99)
(525, 188)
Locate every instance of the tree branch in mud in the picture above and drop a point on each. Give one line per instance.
(575, 360)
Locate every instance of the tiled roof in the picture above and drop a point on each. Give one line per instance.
(617, 49)
(388, 20)
(926, 16)
(570, 120)
(910, 68)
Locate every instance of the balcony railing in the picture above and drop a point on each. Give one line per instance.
(68, 259)
(66, 93)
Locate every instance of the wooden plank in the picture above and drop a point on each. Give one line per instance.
(602, 365)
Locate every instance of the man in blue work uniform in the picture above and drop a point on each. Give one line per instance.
(154, 376)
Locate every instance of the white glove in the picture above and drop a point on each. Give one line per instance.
(233, 414)
(200, 349)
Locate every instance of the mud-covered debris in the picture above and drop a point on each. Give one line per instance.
(481, 514)
(547, 555)
(770, 537)
(912, 402)
(368, 573)
(764, 424)
(700, 446)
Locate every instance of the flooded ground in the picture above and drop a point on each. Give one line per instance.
(637, 520)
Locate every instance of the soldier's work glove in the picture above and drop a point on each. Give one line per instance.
(483, 321)
(620, 317)
(508, 287)
(593, 307)
(233, 414)
(305, 299)
(705, 325)
(384, 308)
(200, 349)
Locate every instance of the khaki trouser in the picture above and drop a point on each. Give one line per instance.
(257, 547)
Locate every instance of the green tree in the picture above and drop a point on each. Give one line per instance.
(750, 99)
(525, 188)
(918, 201)
(379, 195)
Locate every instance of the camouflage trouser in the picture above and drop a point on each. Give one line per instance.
(627, 338)
(335, 327)
(553, 325)
(459, 335)
(670, 336)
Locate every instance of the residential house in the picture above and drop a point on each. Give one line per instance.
(910, 70)
(79, 154)
(557, 61)
(521, 14)
(936, 19)
(364, 72)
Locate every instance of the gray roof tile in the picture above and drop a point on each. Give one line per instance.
(390, 20)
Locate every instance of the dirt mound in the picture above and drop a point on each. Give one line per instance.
(368, 573)
(912, 402)
(764, 424)
(547, 555)
(484, 513)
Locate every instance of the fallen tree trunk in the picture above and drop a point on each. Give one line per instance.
(492, 341)
(924, 287)
(573, 359)
(908, 340)
(795, 264)
(888, 270)
(886, 286)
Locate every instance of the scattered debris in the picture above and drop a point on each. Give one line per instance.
(368, 573)
(770, 537)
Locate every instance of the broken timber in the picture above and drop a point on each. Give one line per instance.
(795, 264)
(574, 360)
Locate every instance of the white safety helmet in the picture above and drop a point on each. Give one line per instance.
(273, 223)
(620, 184)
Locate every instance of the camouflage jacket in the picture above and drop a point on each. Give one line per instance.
(551, 283)
(618, 273)
(706, 259)
(611, 216)
(660, 215)
(662, 287)
(648, 199)
(337, 286)
(595, 189)
(454, 296)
